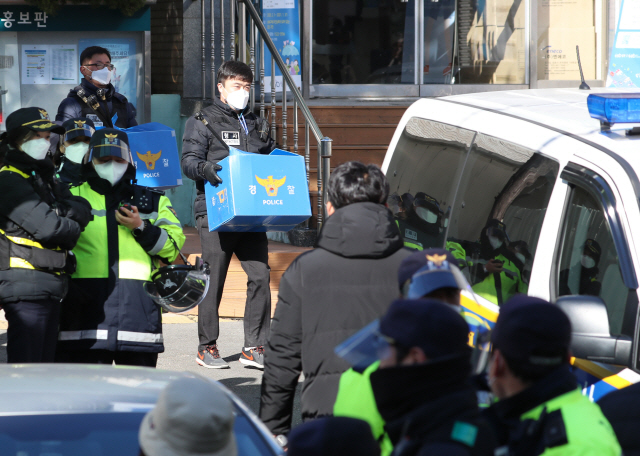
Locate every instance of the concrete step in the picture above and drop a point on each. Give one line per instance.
(235, 287)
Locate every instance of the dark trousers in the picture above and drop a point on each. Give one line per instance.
(124, 358)
(33, 331)
(252, 249)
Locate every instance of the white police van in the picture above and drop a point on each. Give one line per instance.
(565, 188)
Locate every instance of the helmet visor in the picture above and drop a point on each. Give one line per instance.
(365, 347)
(117, 149)
(178, 290)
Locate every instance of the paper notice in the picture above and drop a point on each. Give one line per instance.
(35, 64)
(64, 64)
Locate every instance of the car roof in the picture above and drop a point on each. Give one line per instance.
(81, 388)
(562, 110)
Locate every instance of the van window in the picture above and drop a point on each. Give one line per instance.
(588, 260)
(497, 216)
(423, 175)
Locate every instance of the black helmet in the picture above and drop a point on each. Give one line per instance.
(178, 288)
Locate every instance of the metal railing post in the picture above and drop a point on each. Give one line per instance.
(252, 64)
(223, 38)
(284, 115)
(204, 65)
(242, 32)
(273, 98)
(326, 170)
(307, 157)
(295, 126)
(261, 76)
(320, 185)
(232, 15)
(213, 50)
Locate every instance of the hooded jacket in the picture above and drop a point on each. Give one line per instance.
(37, 215)
(114, 103)
(200, 146)
(325, 296)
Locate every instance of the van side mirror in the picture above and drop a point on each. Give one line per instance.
(591, 338)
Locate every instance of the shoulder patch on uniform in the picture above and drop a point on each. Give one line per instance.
(173, 211)
(464, 433)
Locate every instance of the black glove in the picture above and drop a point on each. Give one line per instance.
(78, 210)
(209, 172)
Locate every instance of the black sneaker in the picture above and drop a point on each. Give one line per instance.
(210, 358)
(253, 357)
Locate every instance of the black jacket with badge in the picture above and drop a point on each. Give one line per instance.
(432, 410)
(114, 103)
(36, 207)
(326, 296)
(200, 145)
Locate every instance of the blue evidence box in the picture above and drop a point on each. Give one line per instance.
(259, 192)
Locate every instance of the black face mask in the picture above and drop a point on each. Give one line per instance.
(400, 389)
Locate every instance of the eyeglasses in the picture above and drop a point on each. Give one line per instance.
(100, 66)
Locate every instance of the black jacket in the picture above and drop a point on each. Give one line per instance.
(622, 409)
(325, 296)
(432, 409)
(41, 209)
(114, 103)
(199, 145)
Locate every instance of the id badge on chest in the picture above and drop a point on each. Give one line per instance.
(95, 119)
(232, 138)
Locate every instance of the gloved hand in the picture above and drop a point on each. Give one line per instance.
(78, 210)
(209, 172)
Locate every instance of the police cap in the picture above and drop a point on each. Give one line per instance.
(497, 228)
(418, 260)
(109, 142)
(78, 126)
(428, 324)
(533, 332)
(35, 119)
(592, 248)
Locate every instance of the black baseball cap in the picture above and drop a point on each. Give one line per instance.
(78, 126)
(532, 332)
(109, 142)
(334, 435)
(418, 260)
(592, 247)
(36, 119)
(428, 324)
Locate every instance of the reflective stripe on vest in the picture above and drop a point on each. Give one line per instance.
(14, 170)
(103, 334)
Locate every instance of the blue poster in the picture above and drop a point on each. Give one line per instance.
(123, 57)
(624, 64)
(282, 20)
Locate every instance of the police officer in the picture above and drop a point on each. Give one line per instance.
(588, 284)
(421, 226)
(230, 123)
(72, 148)
(96, 97)
(40, 221)
(541, 410)
(497, 275)
(107, 316)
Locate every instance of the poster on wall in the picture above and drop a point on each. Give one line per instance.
(282, 20)
(624, 64)
(49, 64)
(123, 57)
(64, 64)
(35, 64)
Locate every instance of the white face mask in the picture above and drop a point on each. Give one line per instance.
(521, 257)
(495, 242)
(111, 171)
(76, 152)
(587, 262)
(426, 215)
(36, 148)
(237, 100)
(102, 76)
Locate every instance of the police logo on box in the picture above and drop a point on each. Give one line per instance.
(232, 138)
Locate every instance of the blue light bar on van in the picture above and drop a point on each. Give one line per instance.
(611, 108)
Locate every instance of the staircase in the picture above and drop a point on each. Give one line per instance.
(361, 133)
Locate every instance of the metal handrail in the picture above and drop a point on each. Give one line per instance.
(285, 74)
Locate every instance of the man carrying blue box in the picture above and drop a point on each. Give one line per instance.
(206, 141)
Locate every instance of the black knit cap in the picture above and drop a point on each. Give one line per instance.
(428, 324)
(533, 332)
(334, 435)
(35, 119)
